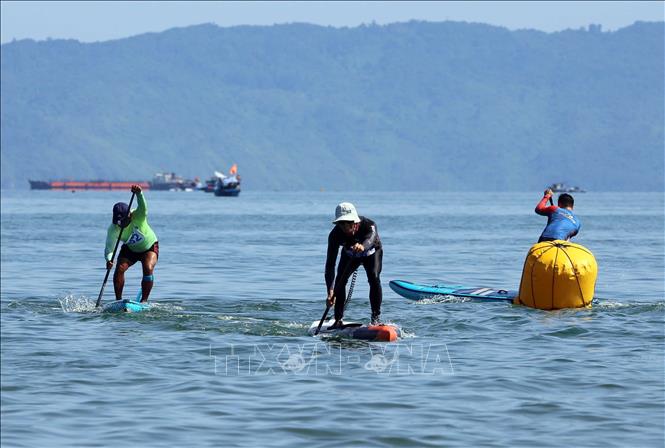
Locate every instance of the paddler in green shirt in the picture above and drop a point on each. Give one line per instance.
(140, 244)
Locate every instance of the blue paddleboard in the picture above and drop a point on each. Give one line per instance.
(416, 291)
(125, 306)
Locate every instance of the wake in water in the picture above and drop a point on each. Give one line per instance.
(613, 304)
(78, 304)
(597, 304)
(443, 299)
(83, 304)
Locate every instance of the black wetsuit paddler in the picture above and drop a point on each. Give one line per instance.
(348, 234)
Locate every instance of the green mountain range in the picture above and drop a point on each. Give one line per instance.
(409, 106)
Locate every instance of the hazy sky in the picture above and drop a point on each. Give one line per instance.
(99, 20)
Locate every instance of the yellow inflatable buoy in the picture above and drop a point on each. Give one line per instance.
(557, 274)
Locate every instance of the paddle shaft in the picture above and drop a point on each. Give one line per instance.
(108, 269)
(325, 313)
(323, 318)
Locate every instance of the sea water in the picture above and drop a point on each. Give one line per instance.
(222, 358)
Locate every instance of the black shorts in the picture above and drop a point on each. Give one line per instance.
(133, 257)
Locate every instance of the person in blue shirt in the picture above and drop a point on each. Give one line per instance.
(562, 223)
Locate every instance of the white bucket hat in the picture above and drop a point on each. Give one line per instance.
(346, 212)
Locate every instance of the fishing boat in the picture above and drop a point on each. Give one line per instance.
(228, 185)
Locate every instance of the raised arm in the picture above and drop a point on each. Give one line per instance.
(542, 208)
(142, 211)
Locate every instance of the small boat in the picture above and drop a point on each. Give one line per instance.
(228, 185)
(561, 187)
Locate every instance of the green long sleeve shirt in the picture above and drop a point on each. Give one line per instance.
(138, 235)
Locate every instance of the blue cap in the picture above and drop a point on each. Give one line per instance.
(120, 212)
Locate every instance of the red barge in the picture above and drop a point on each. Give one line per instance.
(85, 185)
(161, 181)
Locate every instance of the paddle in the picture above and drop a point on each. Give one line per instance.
(348, 297)
(108, 269)
(323, 318)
